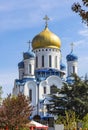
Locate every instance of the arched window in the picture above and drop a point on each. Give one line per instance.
(73, 69)
(44, 90)
(36, 61)
(42, 61)
(30, 94)
(50, 60)
(53, 89)
(30, 68)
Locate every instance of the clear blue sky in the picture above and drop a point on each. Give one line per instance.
(21, 20)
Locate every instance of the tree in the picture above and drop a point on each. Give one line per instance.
(69, 120)
(76, 96)
(0, 94)
(85, 121)
(15, 112)
(71, 97)
(82, 10)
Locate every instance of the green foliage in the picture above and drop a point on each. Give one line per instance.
(15, 112)
(85, 121)
(71, 97)
(69, 120)
(82, 9)
(54, 89)
(76, 96)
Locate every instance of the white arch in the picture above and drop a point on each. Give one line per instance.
(54, 80)
(33, 86)
(51, 80)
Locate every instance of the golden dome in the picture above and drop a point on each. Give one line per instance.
(46, 39)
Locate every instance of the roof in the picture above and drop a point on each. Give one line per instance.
(62, 66)
(24, 80)
(47, 70)
(71, 57)
(46, 39)
(36, 124)
(21, 64)
(28, 55)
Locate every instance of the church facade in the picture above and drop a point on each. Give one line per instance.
(42, 69)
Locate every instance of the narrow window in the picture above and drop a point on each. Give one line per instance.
(56, 61)
(30, 68)
(49, 60)
(30, 94)
(44, 90)
(73, 69)
(42, 61)
(36, 61)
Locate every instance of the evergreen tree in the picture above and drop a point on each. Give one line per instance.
(71, 97)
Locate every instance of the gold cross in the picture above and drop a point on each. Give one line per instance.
(29, 42)
(72, 45)
(46, 18)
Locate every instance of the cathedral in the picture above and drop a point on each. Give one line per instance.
(42, 69)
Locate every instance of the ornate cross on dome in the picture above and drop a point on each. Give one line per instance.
(29, 42)
(46, 18)
(72, 45)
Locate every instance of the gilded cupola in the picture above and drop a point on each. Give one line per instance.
(46, 39)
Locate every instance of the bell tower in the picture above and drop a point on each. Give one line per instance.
(72, 62)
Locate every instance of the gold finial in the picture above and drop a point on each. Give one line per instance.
(46, 18)
(29, 48)
(72, 45)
